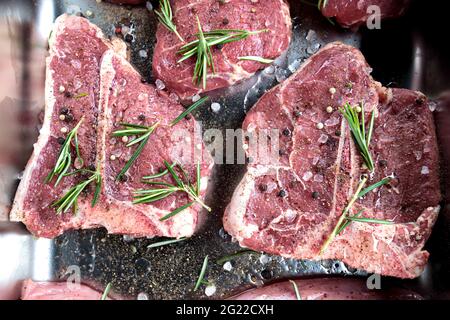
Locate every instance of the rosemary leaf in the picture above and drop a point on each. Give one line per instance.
(202, 274)
(357, 128)
(235, 255)
(158, 175)
(189, 110)
(64, 159)
(374, 186)
(166, 18)
(297, 293)
(369, 220)
(70, 199)
(176, 211)
(257, 59)
(106, 292)
(165, 242)
(144, 135)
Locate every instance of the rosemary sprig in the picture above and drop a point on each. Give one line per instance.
(297, 292)
(189, 110)
(235, 255)
(164, 189)
(71, 197)
(256, 58)
(321, 4)
(345, 220)
(143, 133)
(202, 274)
(64, 160)
(166, 18)
(165, 243)
(81, 95)
(201, 48)
(106, 292)
(357, 127)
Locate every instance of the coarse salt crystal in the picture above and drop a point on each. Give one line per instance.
(307, 176)
(195, 98)
(159, 84)
(227, 266)
(323, 138)
(215, 107)
(425, 170)
(210, 290)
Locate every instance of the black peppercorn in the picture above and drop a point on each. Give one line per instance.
(141, 117)
(266, 274)
(286, 132)
(225, 21)
(92, 167)
(263, 187)
(64, 111)
(219, 46)
(61, 140)
(123, 178)
(143, 80)
(67, 94)
(282, 152)
(297, 114)
(382, 163)
(315, 195)
(337, 133)
(128, 38)
(68, 118)
(282, 193)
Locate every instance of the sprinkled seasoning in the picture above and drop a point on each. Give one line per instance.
(329, 109)
(61, 140)
(315, 195)
(124, 139)
(337, 133)
(319, 126)
(62, 89)
(64, 130)
(332, 90)
(141, 117)
(64, 111)
(112, 158)
(286, 132)
(263, 187)
(62, 117)
(282, 193)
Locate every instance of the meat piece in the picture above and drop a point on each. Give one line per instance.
(288, 204)
(79, 56)
(239, 14)
(326, 289)
(32, 290)
(354, 13)
(131, 101)
(76, 48)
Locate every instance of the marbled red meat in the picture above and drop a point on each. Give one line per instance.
(32, 290)
(83, 62)
(289, 206)
(237, 14)
(326, 289)
(354, 13)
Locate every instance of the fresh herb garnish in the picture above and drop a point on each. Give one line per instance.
(321, 4)
(201, 48)
(166, 18)
(159, 175)
(65, 156)
(143, 134)
(106, 292)
(297, 293)
(257, 59)
(345, 220)
(71, 197)
(165, 243)
(81, 95)
(235, 255)
(189, 110)
(358, 129)
(202, 274)
(165, 189)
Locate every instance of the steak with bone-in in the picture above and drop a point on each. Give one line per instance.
(87, 80)
(290, 206)
(272, 15)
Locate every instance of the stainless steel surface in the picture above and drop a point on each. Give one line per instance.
(402, 54)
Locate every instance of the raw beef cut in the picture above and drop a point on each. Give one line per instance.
(238, 14)
(289, 206)
(326, 289)
(354, 13)
(32, 290)
(83, 62)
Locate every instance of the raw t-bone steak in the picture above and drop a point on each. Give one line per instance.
(87, 79)
(290, 206)
(250, 15)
